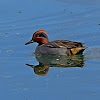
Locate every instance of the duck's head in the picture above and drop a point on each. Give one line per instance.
(40, 37)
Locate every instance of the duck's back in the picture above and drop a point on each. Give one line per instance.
(61, 47)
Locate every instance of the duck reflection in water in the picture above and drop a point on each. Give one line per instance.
(45, 62)
(40, 69)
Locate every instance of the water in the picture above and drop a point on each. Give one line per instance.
(75, 20)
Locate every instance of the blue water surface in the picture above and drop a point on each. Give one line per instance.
(77, 20)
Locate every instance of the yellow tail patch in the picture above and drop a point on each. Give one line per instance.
(76, 50)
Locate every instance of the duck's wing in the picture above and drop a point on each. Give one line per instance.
(64, 44)
(74, 47)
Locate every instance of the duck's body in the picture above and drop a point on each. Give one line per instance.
(60, 47)
(57, 47)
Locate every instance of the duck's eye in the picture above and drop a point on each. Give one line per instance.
(37, 35)
(41, 35)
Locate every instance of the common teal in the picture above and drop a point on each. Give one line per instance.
(56, 47)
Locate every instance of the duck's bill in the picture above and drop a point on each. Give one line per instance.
(31, 41)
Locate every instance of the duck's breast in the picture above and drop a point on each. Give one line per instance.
(50, 51)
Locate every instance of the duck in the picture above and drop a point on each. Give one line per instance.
(56, 47)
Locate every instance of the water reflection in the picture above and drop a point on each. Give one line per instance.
(45, 62)
(40, 69)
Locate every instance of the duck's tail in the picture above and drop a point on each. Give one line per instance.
(78, 50)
